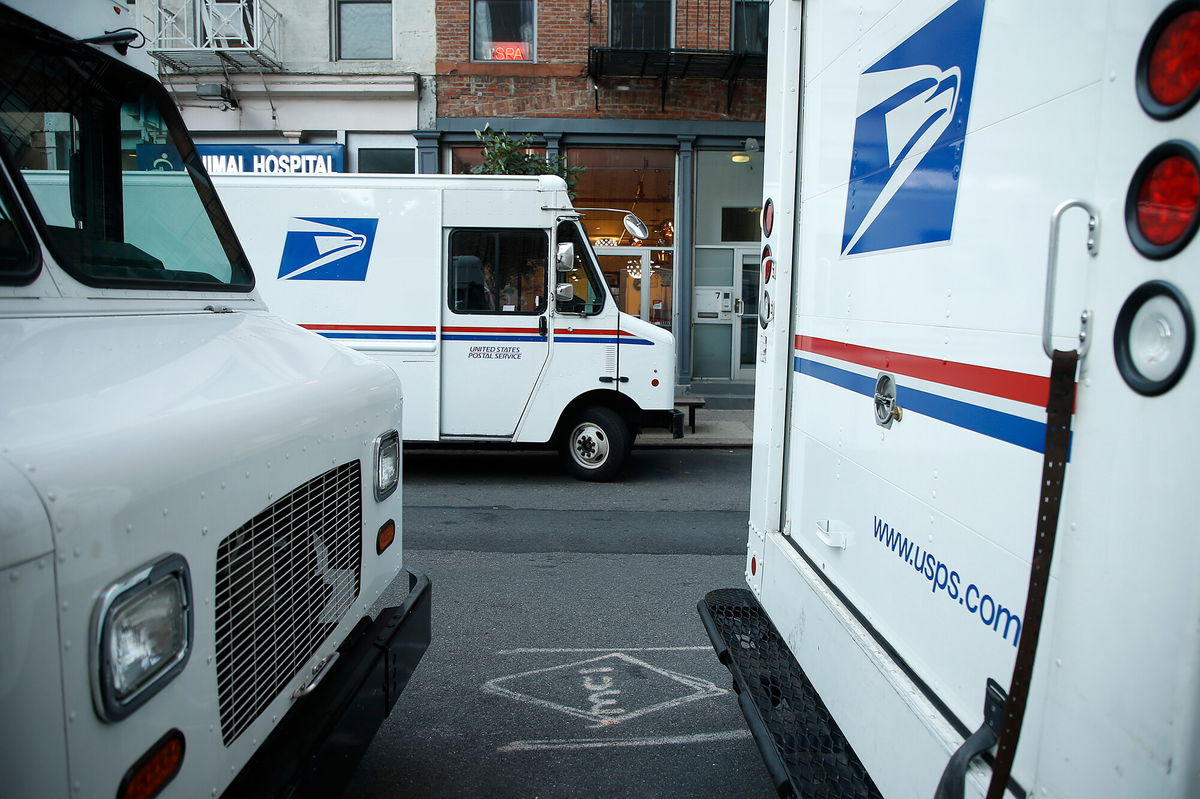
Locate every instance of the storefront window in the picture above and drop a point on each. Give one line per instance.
(464, 159)
(641, 181)
(728, 196)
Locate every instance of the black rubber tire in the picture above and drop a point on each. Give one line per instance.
(595, 444)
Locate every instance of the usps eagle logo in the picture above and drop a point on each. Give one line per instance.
(909, 136)
(327, 249)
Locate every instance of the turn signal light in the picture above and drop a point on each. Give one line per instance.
(385, 536)
(154, 769)
(1161, 208)
(1169, 63)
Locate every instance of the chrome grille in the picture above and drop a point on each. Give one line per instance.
(284, 579)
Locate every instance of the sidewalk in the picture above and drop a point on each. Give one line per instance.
(714, 428)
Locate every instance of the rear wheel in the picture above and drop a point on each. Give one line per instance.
(596, 443)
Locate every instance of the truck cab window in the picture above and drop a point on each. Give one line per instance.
(122, 196)
(497, 271)
(584, 277)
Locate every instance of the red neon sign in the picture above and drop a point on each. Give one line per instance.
(509, 51)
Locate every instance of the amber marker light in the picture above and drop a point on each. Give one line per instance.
(385, 537)
(155, 769)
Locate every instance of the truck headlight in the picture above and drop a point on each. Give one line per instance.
(141, 636)
(387, 464)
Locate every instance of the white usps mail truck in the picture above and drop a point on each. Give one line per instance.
(971, 555)
(200, 503)
(481, 292)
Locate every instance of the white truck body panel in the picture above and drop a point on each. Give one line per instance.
(397, 309)
(151, 408)
(897, 249)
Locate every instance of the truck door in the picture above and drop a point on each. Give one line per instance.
(495, 332)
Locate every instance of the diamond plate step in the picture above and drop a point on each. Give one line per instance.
(805, 752)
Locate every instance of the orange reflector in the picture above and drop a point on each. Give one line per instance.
(387, 534)
(654, 382)
(155, 768)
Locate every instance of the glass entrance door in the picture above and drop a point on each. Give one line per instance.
(747, 312)
(725, 313)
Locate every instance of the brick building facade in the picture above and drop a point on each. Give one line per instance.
(654, 98)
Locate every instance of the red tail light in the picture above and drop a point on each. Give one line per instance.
(768, 217)
(1161, 208)
(1168, 74)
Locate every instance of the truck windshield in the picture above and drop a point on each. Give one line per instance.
(589, 292)
(121, 193)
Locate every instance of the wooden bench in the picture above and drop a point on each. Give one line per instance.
(691, 403)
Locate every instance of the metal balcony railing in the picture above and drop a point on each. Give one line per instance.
(681, 39)
(202, 35)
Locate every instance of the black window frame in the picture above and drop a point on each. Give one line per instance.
(478, 308)
(336, 27)
(639, 40)
(531, 56)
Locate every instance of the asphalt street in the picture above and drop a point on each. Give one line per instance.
(568, 659)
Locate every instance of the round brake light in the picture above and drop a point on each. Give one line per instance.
(1168, 72)
(768, 217)
(1161, 207)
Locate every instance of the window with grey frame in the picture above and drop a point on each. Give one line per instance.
(363, 29)
(750, 26)
(503, 30)
(640, 24)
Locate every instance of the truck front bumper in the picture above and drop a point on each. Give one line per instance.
(318, 744)
(671, 420)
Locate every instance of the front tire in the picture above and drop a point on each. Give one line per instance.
(595, 444)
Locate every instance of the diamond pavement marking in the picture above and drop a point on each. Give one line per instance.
(604, 690)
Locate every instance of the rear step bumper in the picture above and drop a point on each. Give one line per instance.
(805, 753)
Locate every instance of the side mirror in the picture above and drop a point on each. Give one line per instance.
(564, 292)
(636, 227)
(566, 257)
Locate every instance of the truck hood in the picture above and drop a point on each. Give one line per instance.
(635, 327)
(99, 413)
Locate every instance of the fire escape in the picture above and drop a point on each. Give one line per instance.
(697, 42)
(218, 35)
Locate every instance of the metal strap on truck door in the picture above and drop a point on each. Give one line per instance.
(1060, 406)
(1004, 729)
(1054, 467)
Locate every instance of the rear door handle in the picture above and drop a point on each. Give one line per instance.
(543, 328)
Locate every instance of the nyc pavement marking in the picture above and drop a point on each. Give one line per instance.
(607, 690)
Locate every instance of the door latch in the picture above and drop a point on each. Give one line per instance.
(886, 409)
